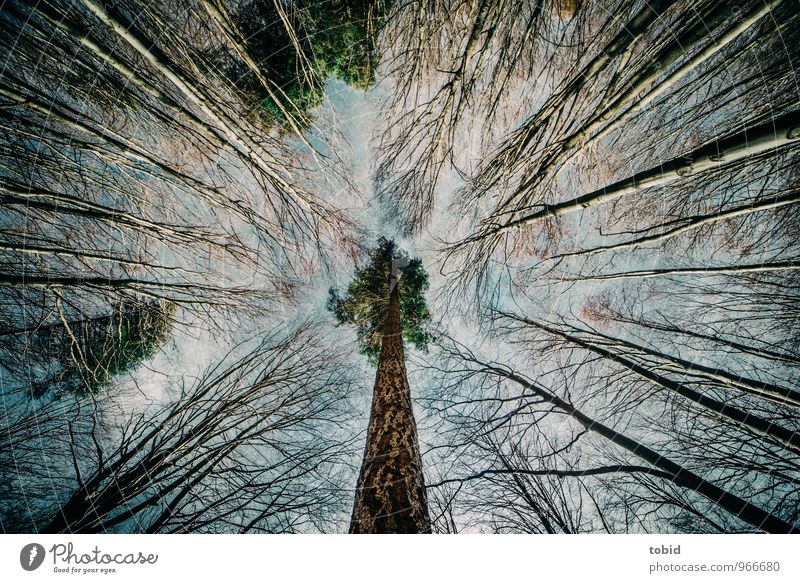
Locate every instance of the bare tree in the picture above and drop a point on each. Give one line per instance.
(533, 400)
(251, 446)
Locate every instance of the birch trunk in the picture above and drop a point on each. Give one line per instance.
(711, 270)
(753, 141)
(628, 100)
(694, 222)
(769, 391)
(233, 134)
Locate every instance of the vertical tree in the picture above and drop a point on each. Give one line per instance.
(386, 302)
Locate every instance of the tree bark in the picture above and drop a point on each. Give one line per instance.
(390, 495)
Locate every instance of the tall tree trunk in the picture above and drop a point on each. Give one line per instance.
(764, 139)
(390, 496)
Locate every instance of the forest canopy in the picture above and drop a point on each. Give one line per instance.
(299, 46)
(582, 217)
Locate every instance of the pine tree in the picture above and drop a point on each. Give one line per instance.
(89, 352)
(386, 303)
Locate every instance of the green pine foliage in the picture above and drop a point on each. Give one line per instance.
(337, 36)
(343, 39)
(138, 333)
(365, 304)
(90, 353)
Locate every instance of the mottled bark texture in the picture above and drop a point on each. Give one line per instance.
(390, 496)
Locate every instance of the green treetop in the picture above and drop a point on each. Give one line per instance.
(367, 299)
(338, 38)
(87, 354)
